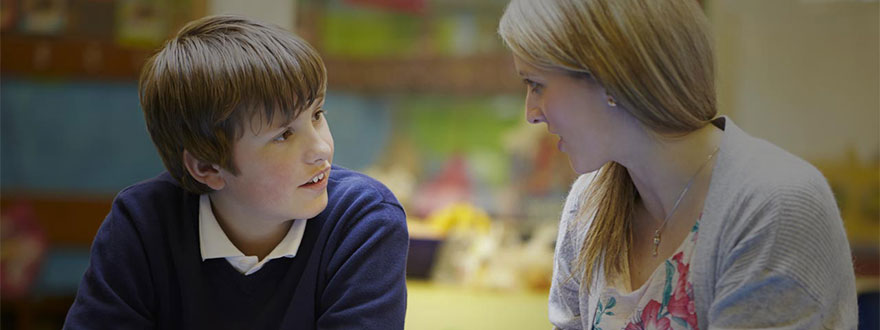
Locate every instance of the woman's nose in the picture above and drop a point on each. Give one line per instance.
(534, 115)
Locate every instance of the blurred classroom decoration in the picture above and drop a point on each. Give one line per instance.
(422, 96)
(71, 135)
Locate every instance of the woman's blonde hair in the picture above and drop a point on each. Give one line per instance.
(654, 57)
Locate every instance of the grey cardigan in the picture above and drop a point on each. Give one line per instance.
(771, 253)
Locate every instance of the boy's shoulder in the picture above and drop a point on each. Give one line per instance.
(360, 208)
(158, 197)
(348, 184)
(162, 197)
(161, 184)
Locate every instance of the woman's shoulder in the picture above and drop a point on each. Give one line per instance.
(773, 214)
(754, 169)
(762, 193)
(572, 224)
(578, 189)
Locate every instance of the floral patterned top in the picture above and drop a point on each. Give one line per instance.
(665, 301)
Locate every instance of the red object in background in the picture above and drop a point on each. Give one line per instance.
(23, 245)
(540, 179)
(8, 14)
(411, 6)
(449, 186)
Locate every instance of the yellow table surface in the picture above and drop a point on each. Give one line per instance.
(448, 307)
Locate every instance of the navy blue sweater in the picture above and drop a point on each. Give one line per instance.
(146, 270)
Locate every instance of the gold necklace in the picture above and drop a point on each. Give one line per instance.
(677, 201)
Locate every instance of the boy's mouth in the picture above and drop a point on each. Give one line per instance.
(317, 180)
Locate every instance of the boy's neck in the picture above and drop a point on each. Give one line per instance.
(257, 245)
(252, 239)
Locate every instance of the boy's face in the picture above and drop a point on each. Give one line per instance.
(277, 167)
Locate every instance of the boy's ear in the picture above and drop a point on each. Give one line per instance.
(204, 172)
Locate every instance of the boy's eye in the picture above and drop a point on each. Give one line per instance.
(318, 114)
(284, 136)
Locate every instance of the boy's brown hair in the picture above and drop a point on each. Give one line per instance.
(216, 76)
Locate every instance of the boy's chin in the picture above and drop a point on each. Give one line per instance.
(313, 208)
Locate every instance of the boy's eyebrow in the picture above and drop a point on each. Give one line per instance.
(285, 124)
(319, 99)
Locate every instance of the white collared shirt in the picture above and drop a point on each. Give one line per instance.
(214, 243)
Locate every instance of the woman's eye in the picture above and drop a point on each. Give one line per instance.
(284, 136)
(532, 86)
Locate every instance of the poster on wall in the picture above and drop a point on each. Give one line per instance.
(141, 23)
(8, 14)
(91, 19)
(411, 6)
(43, 16)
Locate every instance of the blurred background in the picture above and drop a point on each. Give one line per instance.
(422, 96)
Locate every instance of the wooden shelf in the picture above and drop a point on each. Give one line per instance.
(67, 220)
(35, 56)
(39, 56)
(470, 75)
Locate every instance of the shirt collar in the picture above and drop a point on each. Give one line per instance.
(214, 243)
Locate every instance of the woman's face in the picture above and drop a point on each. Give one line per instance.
(576, 109)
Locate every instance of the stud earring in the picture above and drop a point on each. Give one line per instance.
(611, 102)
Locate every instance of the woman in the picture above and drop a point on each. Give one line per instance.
(683, 220)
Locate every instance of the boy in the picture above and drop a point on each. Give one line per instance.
(251, 227)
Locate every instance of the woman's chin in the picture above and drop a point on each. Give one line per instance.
(581, 167)
(577, 169)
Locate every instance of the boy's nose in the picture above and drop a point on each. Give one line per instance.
(319, 152)
(534, 115)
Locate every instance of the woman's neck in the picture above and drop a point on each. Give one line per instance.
(661, 167)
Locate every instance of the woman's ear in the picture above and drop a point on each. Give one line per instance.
(204, 172)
